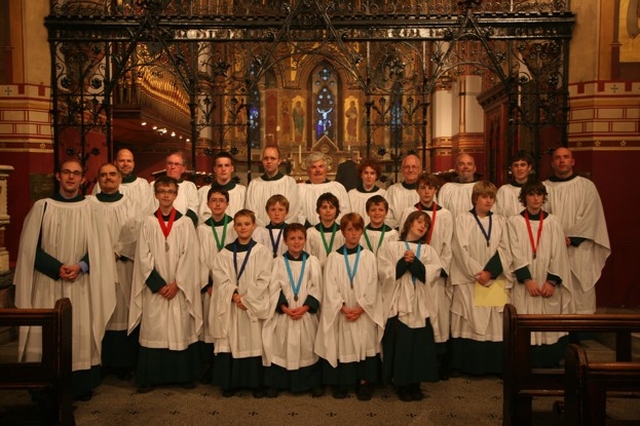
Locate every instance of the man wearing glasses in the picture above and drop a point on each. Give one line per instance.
(65, 252)
(187, 201)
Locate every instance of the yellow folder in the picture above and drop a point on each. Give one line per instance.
(494, 295)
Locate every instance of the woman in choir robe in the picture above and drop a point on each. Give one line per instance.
(369, 171)
(541, 267)
(481, 257)
(351, 322)
(409, 270)
(239, 306)
(290, 331)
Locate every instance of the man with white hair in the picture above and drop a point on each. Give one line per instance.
(317, 185)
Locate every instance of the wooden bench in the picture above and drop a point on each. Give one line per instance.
(51, 376)
(587, 384)
(522, 382)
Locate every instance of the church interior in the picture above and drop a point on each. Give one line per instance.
(363, 78)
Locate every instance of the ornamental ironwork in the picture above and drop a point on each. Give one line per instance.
(216, 61)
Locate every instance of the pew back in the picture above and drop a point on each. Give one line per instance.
(522, 382)
(52, 375)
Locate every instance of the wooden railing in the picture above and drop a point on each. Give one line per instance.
(52, 376)
(522, 382)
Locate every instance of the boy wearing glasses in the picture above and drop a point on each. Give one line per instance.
(65, 251)
(165, 296)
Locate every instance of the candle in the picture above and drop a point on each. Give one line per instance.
(348, 147)
(300, 154)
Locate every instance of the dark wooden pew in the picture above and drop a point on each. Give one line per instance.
(52, 376)
(587, 384)
(522, 382)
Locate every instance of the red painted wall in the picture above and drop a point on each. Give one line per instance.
(615, 175)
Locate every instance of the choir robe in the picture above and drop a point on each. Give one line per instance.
(358, 200)
(400, 196)
(456, 197)
(237, 194)
(208, 252)
(551, 261)
(315, 244)
(308, 194)
(237, 334)
(122, 217)
(168, 328)
(371, 238)
(262, 188)
(270, 235)
(441, 241)
(289, 343)
(507, 202)
(477, 330)
(576, 203)
(409, 309)
(56, 232)
(138, 190)
(187, 200)
(340, 341)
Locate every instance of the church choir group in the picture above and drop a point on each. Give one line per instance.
(296, 287)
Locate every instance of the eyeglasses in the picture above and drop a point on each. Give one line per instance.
(166, 191)
(170, 164)
(68, 172)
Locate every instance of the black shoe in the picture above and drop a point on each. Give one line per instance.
(124, 374)
(317, 392)
(404, 393)
(188, 385)
(340, 393)
(259, 393)
(416, 392)
(207, 376)
(272, 392)
(443, 373)
(85, 396)
(228, 393)
(145, 389)
(364, 392)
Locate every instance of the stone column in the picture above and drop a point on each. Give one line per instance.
(6, 276)
(4, 220)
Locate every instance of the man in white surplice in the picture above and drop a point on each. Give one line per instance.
(122, 217)
(403, 195)
(272, 182)
(224, 167)
(575, 201)
(456, 196)
(317, 185)
(65, 252)
(134, 187)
